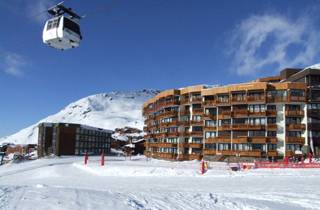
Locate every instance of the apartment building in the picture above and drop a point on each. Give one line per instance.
(269, 117)
(72, 139)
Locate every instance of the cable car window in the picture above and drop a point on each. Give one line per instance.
(71, 25)
(53, 24)
(49, 25)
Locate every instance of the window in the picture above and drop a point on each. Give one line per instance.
(210, 134)
(69, 24)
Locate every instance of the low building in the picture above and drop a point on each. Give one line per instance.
(72, 139)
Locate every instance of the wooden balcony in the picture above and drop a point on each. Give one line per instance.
(167, 124)
(209, 117)
(185, 134)
(258, 140)
(256, 99)
(210, 128)
(167, 114)
(277, 99)
(195, 145)
(240, 113)
(194, 156)
(184, 101)
(296, 127)
(240, 140)
(297, 98)
(149, 136)
(184, 123)
(211, 140)
(225, 127)
(295, 140)
(162, 144)
(185, 112)
(196, 123)
(172, 103)
(271, 127)
(222, 102)
(209, 103)
(196, 133)
(172, 134)
(197, 111)
(152, 144)
(271, 112)
(209, 152)
(224, 115)
(240, 127)
(169, 156)
(272, 153)
(196, 99)
(272, 140)
(257, 114)
(294, 113)
(253, 153)
(226, 152)
(256, 127)
(235, 100)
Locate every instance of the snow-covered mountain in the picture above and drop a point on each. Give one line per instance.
(108, 110)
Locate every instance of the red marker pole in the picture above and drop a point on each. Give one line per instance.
(102, 159)
(202, 167)
(86, 158)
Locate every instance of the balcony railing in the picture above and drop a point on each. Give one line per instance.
(240, 140)
(185, 112)
(209, 128)
(240, 113)
(271, 112)
(295, 140)
(257, 113)
(196, 133)
(224, 127)
(210, 116)
(247, 127)
(297, 98)
(196, 123)
(195, 145)
(235, 100)
(197, 111)
(272, 153)
(296, 126)
(261, 98)
(276, 99)
(209, 103)
(294, 113)
(209, 152)
(223, 102)
(271, 126)
(196, 99)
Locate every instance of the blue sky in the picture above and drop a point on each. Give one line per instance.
(159, 44)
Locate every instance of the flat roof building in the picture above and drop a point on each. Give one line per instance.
(72, 139)
(269, 117)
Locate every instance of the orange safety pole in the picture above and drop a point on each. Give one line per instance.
(102, 159)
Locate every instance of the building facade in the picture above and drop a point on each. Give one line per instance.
(269, 117)
(72, 139)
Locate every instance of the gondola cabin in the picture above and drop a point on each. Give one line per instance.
(62, 33)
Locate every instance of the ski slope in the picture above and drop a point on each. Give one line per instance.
(65, 183)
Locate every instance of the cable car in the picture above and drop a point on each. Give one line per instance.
(62, 32)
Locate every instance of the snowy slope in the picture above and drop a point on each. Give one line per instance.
(140, 184)
(108, 110)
